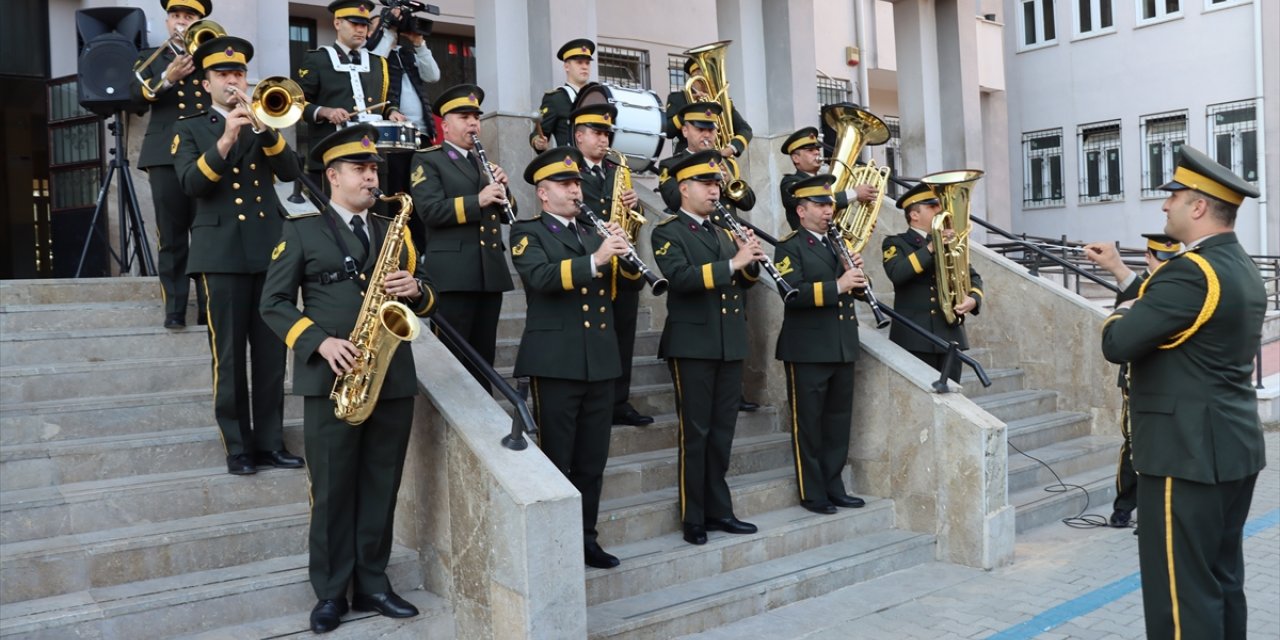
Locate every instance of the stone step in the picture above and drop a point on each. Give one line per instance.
(186, 603)
(985, 357)
(98, 345)
(639, 473)
(707, 602)
(645, 370)
(1037, 506)
(85, 315)
(511, 325)
(46, 464)
(79, 290)
(38, 383)
(434, 621)
(505, 358)
(1014, 405)
(1064, 458)
(1045, 429)
(84, 507)
(1002, 381)
(66, 564)
(662, 434)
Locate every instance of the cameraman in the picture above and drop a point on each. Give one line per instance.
(410, 68)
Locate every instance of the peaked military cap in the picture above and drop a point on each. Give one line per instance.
(460, 98)
(578, 48)
(600, 116)
(690, 66)
(357, 143)
(803, 139)
(1162, 242)
(201, 8)
(559, 164)
(703, 166)
(1199, 172)
(704, 115)
(224, 53)
(921, 193)
(816, 188)
(357, 11)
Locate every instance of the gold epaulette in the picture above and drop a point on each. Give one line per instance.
(430, 148)
(668, 220)
(194, 115)
(788, 236)
(547, 93)
(288, 215)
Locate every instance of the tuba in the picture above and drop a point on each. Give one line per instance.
(714, 82)
(854, 129)
(629, 219)
(382, 325)
(951, 257)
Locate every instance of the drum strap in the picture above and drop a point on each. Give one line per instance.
(570, 91)
(353, 71)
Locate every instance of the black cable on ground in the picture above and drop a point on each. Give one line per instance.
(1081, 520)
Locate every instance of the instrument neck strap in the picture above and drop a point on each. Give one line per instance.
(349, 266)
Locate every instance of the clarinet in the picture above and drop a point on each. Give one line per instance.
(508, 215)
(784, 288)
(833, 238)
(657, 283)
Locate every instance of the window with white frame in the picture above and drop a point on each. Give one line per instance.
(1042, 168)
(1214, 4)
(623, 67)
(893, 154)
(1233, 137)
(1156, 10)
(1037, 23)
(1093, 17)
(1100, 162)
(1162, 135)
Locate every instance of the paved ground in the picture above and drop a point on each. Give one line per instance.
(1065, 583)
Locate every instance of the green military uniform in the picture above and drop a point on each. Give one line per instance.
(464, 252)
(819, 344)
(557, 104)
(237, 222)
(1189, 341)
(704, 341)
(909, 264)
(702, 115)
(676, 101)
(803, 139)
(174, 209)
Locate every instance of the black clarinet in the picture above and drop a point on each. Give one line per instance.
(784, 288)
(657, 283)
(508, 215)
(842, 250)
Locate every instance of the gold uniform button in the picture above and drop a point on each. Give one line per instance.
(493, 217)
(840, 304)
(182, 105)
(181, 94)
(241, 216)
(261, 214)
(235, 185)
(933, 299)
(493, 231)
(933, 313)
(235, 169)
(586, 308)
(603, 326)
(840, 317)
(253, 166)
(256, 183)
(587, 324)
(735, 296)
(482, 243)
(239, 200)
(723, 311)
(601, 309)
(258, 199)
(584, 292)
(198, 94)
(602, 292)
(199, 106)
(736, 310)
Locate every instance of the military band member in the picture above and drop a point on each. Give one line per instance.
(462, 212)
(698, 123)
(355, 470)
(1190, 338)
(172, 91)
(672, 126)
(819, 345)
(908, 261)
(806, 156)
(704, 341)
(592, 134)
(569, 350)
(231, 172)
(557, 103)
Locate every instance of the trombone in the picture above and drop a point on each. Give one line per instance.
(276, 103)
(184, 42)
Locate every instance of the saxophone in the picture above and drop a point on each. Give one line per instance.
(382, 325)
(629, 219)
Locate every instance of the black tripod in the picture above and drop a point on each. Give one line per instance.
(132, 228)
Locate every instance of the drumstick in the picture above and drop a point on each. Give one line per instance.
(371, 107)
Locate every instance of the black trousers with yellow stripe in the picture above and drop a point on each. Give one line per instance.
(707, 397)
(174, 212)
(574, 422)
(820, 396)
(626, 306)
(1191, 551)
(1126, 478)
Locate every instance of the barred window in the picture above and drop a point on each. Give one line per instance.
(1100, 171)
(893, 154)
(833, 90)
(1042, 168)
(75, 147)
(1037, 23)
(623, 67)
(1162, 135)
(1155, 10)
(1233, 137)
(675, 72)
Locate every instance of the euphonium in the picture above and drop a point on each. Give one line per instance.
(854, 129)
(951, 256)
(382, 325)
(627, 218)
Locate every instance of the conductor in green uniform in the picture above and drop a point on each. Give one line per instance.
(818, 344)
(355, 470)
(805, 152)
(556, 119)
(704, 341)
(231, 171)
(1189, 339)
(569, 349)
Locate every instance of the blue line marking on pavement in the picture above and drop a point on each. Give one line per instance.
(1105, 594)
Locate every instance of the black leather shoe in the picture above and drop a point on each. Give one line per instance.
(848, 502)
(695, 534)
(174, 321)
(745, 405)
(1120, 518)
(241, 464)
(818, 507)
(280, 459)
(599, 558)
(388, 604)
(327, 615)
(633, 418)
(730, 525)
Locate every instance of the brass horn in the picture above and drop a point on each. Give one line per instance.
(951, 256)
(200, 32)
(277, 102)
(855, 128)
(710, 59)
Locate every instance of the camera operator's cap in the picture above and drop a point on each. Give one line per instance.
(357, 11)
(1199, 172)
(579, 48)
(224, 53)
(420, 26)
(201, 8)
(357, 143)
(703, 166)
(1162, 242)
(816, 188)
(560, 164)
(704, 115)
(599, 116)
(919, 194)
(461, 98)
(806, 138)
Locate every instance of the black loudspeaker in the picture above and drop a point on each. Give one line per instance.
(109, 39)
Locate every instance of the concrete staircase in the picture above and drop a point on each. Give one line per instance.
(118, 519)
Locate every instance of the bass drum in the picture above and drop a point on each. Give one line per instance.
(638, 131)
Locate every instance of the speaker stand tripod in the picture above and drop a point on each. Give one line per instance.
(132, 228)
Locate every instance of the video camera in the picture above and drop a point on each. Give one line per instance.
(407, 8)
